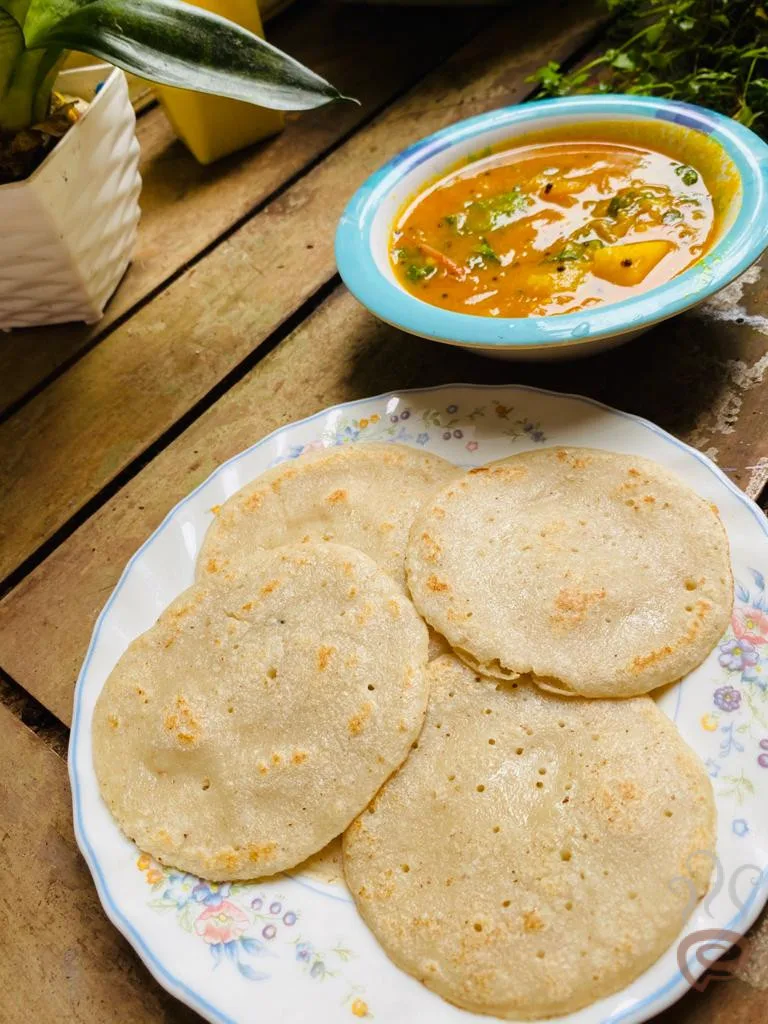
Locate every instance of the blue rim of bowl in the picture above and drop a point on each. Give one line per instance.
(742, 244)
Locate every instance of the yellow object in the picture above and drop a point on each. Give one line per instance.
(213, 126)
(629, 264)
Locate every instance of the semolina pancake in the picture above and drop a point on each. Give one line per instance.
(521, 862)
(260, 714)
(364, 495)
(600, 574)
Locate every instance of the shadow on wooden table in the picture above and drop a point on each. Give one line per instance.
(680, 374)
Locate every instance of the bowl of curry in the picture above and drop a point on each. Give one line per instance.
(557, 228)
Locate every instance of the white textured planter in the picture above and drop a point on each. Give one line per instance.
(67, 232)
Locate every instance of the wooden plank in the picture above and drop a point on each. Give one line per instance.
(74, 964)
(61, 957)
(186, 207)
(339, 354)
(91, 422)
(676, 376)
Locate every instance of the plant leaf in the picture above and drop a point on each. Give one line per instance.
(174, 43)
(11, 45)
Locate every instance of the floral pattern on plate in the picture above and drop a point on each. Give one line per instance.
(423, 427)
(215, 947)
(240, 922)
(738, 720)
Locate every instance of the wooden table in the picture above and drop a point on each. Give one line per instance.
(230, 322)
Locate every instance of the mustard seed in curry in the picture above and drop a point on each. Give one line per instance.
(554, 227)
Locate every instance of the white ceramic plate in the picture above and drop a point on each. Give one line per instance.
(293, 949)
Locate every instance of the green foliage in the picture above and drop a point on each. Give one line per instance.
(484, 249)
(710, 52)
(165, 41)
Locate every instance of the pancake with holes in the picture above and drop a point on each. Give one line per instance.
(260, 714)
(601, 574)
(521, 862)
(364, 495)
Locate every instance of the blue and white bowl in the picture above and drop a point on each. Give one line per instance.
(363, 234)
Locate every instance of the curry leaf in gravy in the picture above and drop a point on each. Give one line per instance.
(570, 252)
(687, 174)
(420, 271)
(486, 251)
(417, 268)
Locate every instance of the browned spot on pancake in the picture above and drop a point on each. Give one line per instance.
(510, 472)
(336, 497)
(263, 768)
(479, 469)
(254, 501)
(180, 613)
(299, 756)
(432, 549)
(714, 508)
(553, 528)
(211, 565)
(386, 527)
(438, 513)
(436, 585)
(113, 721)
(394, 608)
(260, 851)
(352, 661)
(276, 759)
(645, 660)
(628, 791)
(352, 592)
(324, 655)
(698, 615)
(181, 721)
(348, 568)
(247, 606)
(633, 472)
(269, 587)
(215, 509)
(225, 860)
(357, 722)
(364, 614)
(288, 474)
(649, 499)
(454, 616)
(572, 605)
(532, 922)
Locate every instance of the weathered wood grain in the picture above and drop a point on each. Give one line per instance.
(186, 207)
(676, 375)
(62, 960)
(91, 422)
(339, 353)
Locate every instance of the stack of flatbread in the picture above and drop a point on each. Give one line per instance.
(514, 806)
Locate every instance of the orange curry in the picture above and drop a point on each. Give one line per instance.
(553, 227)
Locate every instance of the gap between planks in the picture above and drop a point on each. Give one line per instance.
(242, 174)
(43, 723)
(502, 78)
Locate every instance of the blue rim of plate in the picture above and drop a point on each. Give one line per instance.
(735, 252)
(668, 993)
